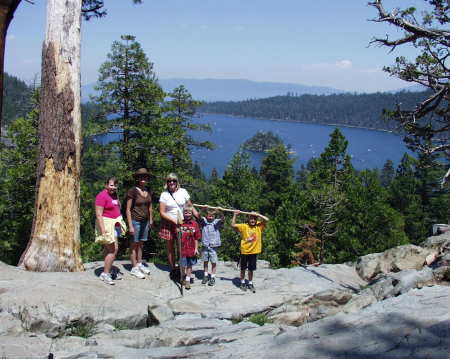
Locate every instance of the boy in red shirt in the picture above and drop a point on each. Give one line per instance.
(190, 235)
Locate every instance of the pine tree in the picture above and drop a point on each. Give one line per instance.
(182, 107)
(403, 196)
(277, 175)
(427, 123)
(387, 173)
(366, 222)
(130, 96)
(18, 177)
(329, 177)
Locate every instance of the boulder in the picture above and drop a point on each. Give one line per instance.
(437, 241)
(159, 313)
(393, 260)
(10, 325)
(324, 312)
(359, 302)
(291, 318)
(393, 284)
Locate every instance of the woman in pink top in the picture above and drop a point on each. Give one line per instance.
(107, 206)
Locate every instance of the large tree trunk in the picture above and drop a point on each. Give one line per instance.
(7, 9)
(55, 237)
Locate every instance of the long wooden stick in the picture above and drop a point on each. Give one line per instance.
(224, 209)
(180, 253)
(180, 262)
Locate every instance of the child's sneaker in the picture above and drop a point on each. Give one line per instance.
(205, 279)
(137, 273)
(252, 288)
(187, 284)
(243, 287)
(106, 277)
(143, 268)
(212, 281)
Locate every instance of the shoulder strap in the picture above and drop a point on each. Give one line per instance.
(180, 210)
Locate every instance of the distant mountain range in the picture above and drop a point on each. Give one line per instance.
(211, 90)
(231, 90)
(238, 90)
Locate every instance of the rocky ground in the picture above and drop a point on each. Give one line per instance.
(387, 305)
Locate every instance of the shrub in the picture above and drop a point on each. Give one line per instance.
(260, 319)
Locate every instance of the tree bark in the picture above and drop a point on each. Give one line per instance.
(55, 239)
(7, 9)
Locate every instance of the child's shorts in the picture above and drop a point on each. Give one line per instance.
(248, 261)
(209, 255)
(188, 261)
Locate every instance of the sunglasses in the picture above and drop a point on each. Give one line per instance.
(170, 181)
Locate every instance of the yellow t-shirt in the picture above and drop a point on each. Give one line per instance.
(251, 242)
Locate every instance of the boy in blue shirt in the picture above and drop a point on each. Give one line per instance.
(211, 227)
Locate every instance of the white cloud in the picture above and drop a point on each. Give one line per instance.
(344, 64)
(341, 64)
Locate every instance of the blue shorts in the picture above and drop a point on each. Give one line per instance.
(209, 255)
(188, 261)
(141, 230)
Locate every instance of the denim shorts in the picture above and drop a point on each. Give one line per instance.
(188, 261)
(141, 230)
(209, 255)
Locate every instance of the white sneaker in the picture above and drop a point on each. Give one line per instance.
(137, 273)
(106, 277)
(143, 268)
(117, 275)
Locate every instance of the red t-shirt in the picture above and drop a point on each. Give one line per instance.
(110, 204)
(190, 232)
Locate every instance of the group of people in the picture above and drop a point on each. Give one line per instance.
(178, 218)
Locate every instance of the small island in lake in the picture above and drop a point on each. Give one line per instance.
(263, 142)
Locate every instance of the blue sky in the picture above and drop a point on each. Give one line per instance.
(320, 42)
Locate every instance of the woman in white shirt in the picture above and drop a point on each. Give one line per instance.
(171, 205)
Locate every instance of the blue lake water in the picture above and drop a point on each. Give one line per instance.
(368, 148)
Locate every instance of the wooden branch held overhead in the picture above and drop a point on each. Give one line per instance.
(228, 210)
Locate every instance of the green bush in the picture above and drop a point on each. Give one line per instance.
(260, 319)
(447, 275)
(83, 329)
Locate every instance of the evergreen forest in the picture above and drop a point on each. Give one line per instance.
(327, 212)
(356, 110)
(16, 102)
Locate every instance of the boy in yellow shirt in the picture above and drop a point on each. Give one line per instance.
(251, 244)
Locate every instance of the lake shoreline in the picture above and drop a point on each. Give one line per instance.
(306, 123)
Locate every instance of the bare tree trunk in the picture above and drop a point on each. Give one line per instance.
(7, 9)
(55, 236)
